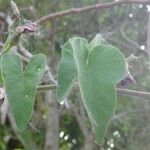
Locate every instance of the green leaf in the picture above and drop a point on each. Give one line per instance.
(98, 73)
(21, 85)
(67, 71)
(98, 66)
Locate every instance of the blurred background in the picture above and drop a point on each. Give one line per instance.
(65, 126)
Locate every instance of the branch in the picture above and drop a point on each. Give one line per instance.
(124, 92)
(46, 87)
(135, 93)
(103, 5)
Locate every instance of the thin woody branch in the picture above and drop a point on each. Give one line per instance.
(135, 93)
(125, 92)
(46, 87)
(103, 5)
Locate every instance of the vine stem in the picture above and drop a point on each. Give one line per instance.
(47, 87)
(101, 5)
(125, 92)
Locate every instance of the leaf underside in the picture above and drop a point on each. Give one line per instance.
(98, 67)
(20, 85)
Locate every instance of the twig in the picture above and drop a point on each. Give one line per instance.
(125, 92)
(46, 87)
(135, 93)
(103, 5)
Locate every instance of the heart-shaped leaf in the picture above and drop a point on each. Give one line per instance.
(21, 85)
(98, 73)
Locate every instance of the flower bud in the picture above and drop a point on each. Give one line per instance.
(15, 9)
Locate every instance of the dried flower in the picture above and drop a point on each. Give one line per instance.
(128, 77)
(127, 80)
(27, 28)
